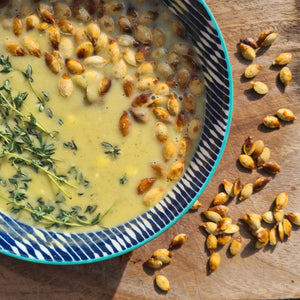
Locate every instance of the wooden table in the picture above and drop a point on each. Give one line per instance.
(272, 272)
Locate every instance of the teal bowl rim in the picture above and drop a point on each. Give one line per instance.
(217, 161)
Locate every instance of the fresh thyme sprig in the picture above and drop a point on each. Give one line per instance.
(114, 151)
(7, 68)
(44, 214)
(9, 103)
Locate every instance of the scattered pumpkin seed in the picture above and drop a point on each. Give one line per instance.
(271, 122)
(246, 161)
(285, 114)
(221, 198)
(294, 217)
(178, 240)
(287, 227)
(260, 183)
(236, 246)
(163, 283)
(246, 191)
(214, 262)
(211, 243)
(252, 70)
(285, 76)
(283, 59)
(247, 51)
(271, 167)
(260, 87)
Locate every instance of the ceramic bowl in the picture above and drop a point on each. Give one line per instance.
(38, 245)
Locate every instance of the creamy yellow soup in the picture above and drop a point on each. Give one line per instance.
(93, 176)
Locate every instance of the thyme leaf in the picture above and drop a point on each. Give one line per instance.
(114, 151)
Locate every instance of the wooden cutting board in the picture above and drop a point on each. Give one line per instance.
(272, 272)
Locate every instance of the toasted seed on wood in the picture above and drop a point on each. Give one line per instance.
(260, 87)
(212, 216)
(278, 215)
(65, 85)
(236, 246)
(249, 146)
(263, 157)
(231, 228)
(246, 161)
(252, 70)
(271, 167)
(210, 227)
(228, 186)
(223, 238)
(249, 41)
(267, 37)
(268, 217)
(283, 59)
(237, 186)
(153, 263)
(280, 231)
(287, 227)
(178, 240)
(253, 220)
(153, 196)
(211, 243)
(145, 185)
(285, 76)
(221, 198)
(247, 51)
(263, 235)
(294, 217)
(285, 114)
(124, 124)
(176, 170)
(223, 224)
(220, 209)
(163, 283)
(196, 205)
(260, 183)
(258, 148)
(273, 236)
(214, 262)
(246, 192)
(271, 122)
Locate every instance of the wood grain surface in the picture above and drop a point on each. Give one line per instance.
(268, 273)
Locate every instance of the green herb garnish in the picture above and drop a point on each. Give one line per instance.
(114, 151)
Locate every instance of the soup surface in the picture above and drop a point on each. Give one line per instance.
(101, 110)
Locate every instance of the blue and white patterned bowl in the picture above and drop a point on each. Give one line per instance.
(37, 245)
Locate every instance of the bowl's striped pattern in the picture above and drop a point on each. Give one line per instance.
(29, 243)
